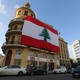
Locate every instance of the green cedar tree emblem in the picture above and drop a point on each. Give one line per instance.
(45, 34)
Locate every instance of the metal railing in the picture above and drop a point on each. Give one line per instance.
(17, 29)
(17, 20)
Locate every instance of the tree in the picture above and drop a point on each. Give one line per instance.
(45, 34)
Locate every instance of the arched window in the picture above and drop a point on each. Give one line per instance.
(19, 12)
(32, 59)
(18, 56)
(8, 57)
(32, 54)
(43, 60)
(15, 28)
(19, 39)
(50, 56)
(42, 56)
(26, 13)
(21, 27)
(12, 39)
(32, 15)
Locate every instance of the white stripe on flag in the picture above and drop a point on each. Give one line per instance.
(33, 30)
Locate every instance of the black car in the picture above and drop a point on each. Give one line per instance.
(69, 69)
(37, 71)
(76, 72)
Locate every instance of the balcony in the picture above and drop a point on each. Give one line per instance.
(13, 31)
(12, 44)
(16, 21)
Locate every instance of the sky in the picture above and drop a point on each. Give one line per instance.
(64, 15)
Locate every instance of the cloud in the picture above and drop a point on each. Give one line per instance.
(16, 6)
(2, 8)
(70, 51)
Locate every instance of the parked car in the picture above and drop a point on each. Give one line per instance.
(69, 69)
(76, 72)
(12, 70)
(37, 70)
(60, 69)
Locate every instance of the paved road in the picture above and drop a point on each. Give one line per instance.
(41, 77)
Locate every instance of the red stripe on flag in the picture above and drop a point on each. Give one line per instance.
(40, 23)
(27, 40)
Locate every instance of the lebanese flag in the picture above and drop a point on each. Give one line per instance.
(37, 34)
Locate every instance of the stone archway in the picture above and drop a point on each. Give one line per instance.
(50, 62)
(43, 60)
(8, 57)
(32, 59)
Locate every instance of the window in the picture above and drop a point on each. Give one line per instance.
(21, 27)
(50, 56)
(18, 56)
(32, 54)
(26, 13)
(18, 52)
(43, 56)
(16, 66)
(19, 39)
(15, 28)
(8, 57)
(12, 39)
(19, 12)
(32, 15)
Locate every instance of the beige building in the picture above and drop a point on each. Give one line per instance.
(1, 60)
(21, 54)
(64, 54)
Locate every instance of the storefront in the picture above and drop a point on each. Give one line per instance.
(50, 62)
(32, 59)
(43, 60)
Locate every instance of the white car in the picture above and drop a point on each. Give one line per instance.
(61, 69)
(12, 70)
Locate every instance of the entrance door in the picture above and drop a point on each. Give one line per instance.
(51, 66)
(8, 57)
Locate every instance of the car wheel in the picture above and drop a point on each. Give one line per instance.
(20, 73)
(74, 76)
(32, 73)
(65, 72)
(59, 71)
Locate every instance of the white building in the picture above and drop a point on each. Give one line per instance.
(76, 50)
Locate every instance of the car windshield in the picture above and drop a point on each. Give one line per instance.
(77, 68)
(57, 67)
(5, 67)
(12, 66)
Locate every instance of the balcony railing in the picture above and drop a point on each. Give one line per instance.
(17, 29)
(13, 43)
(17, 20)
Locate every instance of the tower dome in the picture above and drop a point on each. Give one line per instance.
(24, 11)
